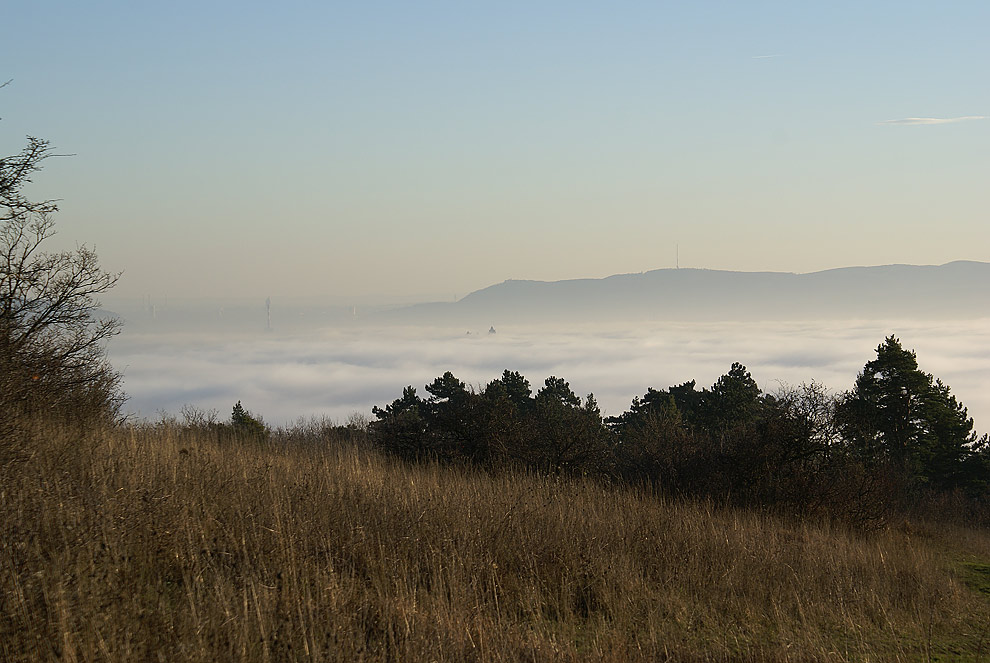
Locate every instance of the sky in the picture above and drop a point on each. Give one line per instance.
(430, 149)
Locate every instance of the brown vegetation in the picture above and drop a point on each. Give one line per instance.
(170, 543)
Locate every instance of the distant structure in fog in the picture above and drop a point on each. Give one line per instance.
(268, 310)
(491, 330)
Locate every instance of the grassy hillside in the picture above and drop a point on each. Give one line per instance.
(164, 543)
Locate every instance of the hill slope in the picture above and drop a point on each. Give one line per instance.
(163, 542)
(957, 289)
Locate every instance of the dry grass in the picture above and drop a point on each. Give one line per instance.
(165, 544)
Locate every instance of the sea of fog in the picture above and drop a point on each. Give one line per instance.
(337, 371)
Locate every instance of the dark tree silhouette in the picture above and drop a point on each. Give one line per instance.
(899, 414)
(51, 332)
(246, 424)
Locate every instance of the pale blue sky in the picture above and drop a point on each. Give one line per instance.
(438, 147)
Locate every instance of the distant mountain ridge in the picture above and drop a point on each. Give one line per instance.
(956, 289)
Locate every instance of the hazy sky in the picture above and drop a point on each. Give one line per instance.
(232, 149)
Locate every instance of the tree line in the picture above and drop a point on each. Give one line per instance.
(896, 440)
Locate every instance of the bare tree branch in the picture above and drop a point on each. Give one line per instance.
(51, 339)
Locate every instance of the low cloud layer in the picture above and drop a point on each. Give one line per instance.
(337, 373)
(932, 120)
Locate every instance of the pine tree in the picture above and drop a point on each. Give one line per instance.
(246, 424)
(898, 413)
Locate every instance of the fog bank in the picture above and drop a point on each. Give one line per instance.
(337, 371)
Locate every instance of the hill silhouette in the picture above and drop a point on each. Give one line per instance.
(954, 290)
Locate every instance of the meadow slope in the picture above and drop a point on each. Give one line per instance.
(166, 543)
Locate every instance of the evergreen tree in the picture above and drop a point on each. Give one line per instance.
(558, 391)
(733, 400)
(900, 414)
(400, 427)
(244, 423)
(453, 418)
(514, 387)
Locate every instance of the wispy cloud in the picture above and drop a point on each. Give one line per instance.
(766, 57)
(933, 120)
